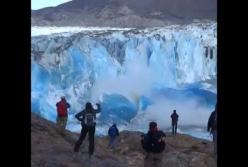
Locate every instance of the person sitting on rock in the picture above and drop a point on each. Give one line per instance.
(154, 140)
(113, 133)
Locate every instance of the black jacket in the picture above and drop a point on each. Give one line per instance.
(81, 115)
(174, 117)
(212, 121)
(151, 142)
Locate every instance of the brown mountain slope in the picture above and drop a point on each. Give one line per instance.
(51, 149)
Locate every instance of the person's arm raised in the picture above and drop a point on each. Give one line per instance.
(98, 108)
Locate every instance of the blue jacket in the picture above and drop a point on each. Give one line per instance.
(113, 131)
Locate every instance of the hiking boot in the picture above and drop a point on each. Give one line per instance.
(90, 157)
(147, 156)
(156, 159)
(75, 155)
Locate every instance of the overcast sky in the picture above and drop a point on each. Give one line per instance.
(38, 4)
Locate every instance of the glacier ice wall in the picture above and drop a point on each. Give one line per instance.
(137, 74)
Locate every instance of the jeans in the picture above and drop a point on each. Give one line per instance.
(174, 128)
(91, 131)
(62, 121)
(112, 141)
(214, 133)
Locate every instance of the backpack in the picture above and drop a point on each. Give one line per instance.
(89, 119)
(151, 143)
(112, 131)
(145, 142)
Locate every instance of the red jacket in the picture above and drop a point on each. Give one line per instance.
(62, 108)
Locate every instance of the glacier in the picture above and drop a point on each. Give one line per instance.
(137, 75)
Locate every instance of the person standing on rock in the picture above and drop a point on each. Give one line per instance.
(153, 142)
(113, 133)
(62, 112)
(88, 122)
(174, 120)
(212, 128)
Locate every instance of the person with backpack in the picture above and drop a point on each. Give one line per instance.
(113, 133)
(154, 140)
(62, 112)
(174, 120)
(88, 122)
(212, 128)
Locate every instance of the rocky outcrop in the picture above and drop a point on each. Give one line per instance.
(51, 148)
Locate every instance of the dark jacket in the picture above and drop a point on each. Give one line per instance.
(81, 115)
(151, 142)
(212, 121)
(113, 131)
(174, 117)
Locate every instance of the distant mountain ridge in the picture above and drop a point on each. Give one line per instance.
(125, 13)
